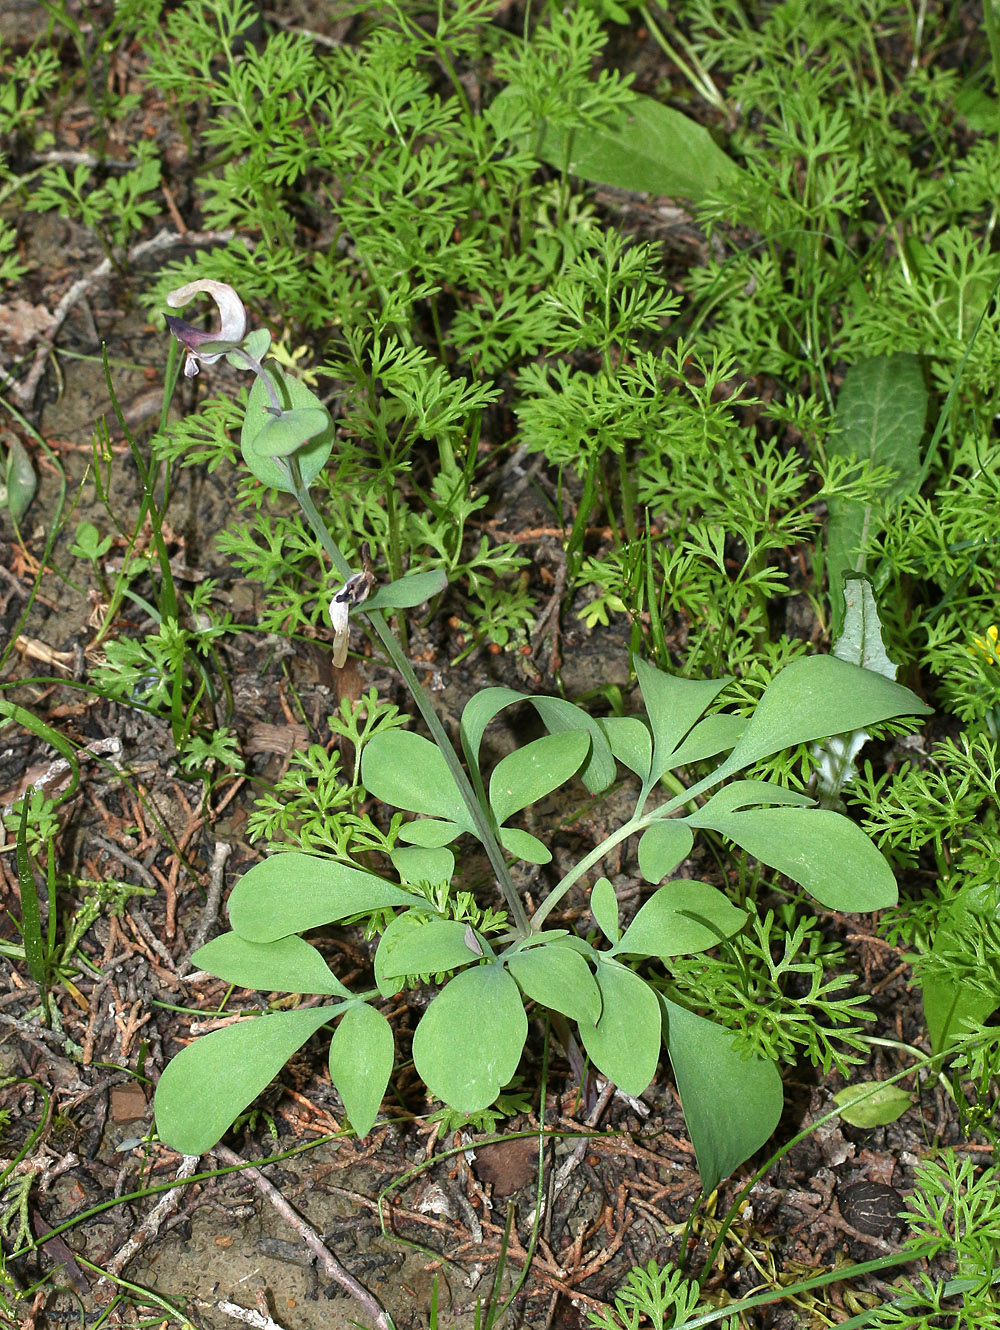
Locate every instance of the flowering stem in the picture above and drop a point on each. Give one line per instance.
(424, 705)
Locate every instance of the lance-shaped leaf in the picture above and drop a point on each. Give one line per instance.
(731, 1103)
(813, 698)
(604, 908)
(744, 794)
(631, 742)
(625, 1042)
(469, 1040)
(408, 591)
(672, 705)
(209, 1083)
(361, 1053)
(292, 892)
(531, 772)
(824, 852)
(287, 965)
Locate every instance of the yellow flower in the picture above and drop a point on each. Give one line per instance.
(987, 646)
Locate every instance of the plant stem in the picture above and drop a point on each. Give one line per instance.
(426, 708)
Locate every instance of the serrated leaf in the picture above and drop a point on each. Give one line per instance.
(408, 591)
(209, 1083)
(437, 945)
(522, 845)
(469, 1041)
(360, 1061)
(604, 908)
(662, 847)
(731, 1103)
(560, 978)
(292, 892)
(864, 1105)
(823, 851)
(533, 771)
(287, 965)
(408, 771)
(680, 919)
(625, 1042)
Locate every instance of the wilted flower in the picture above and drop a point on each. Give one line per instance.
(352, 593)
(986, 646)
(201, 346)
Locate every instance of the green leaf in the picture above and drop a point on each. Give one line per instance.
(292, 892)
(713, 735)
(408, 591)
(604, 908)
(19, 482)
(408, 771)
(416, 864)
(949, 1003)
(743, 794)
(430, 833)
(436, 946)
(522, 845)
(255, 344)
(662, 847)
(823, 851)
(469, 1040)
(361, 1054)
(285, 434)
(815, 697)
(864, 1105)
(558, 977)
(625, 1042)
(731, 1103)
(681, 918)
(881, 415)
(205, 1087)
(287, 965)
(31, 917)
(672, 705)
(535, 770)
(630, 742)
(293, 395)
(395, 930)
(644, 146)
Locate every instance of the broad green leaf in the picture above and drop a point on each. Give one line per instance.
(713, 735)
(881, 414)
(645, 146)
(436, 946)
(408, 591)
(408, 771)
(256, 344)
(560, 978)
(469, 1040)
(287, 965)
(292, 892)
(480, 709)
(522, 845)
(535, 770)
(604, 908)
(681, 918)
(815, 697)
(430, 833)
(361, 1053)
(625, 1042)
(742, 794)
(949, 1003)
(824, 852)
(416, 864)
(293, 395)
(285, 434)
(871, 1104)
(731, 1103)
(209, 1083)
(672, 705)
(395, 930)
(631, 742)
(19, 482)
(662, 847)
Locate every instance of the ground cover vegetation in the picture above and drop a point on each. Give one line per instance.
(436, 313)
